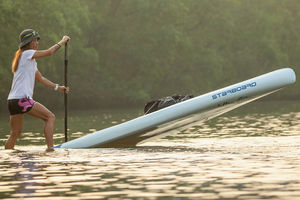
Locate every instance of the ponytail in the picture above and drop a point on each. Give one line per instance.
(15, 62)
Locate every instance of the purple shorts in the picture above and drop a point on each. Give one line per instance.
(20, 106)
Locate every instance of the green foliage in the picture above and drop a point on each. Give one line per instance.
(126, 52)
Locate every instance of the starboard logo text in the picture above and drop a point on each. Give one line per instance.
(234, 90)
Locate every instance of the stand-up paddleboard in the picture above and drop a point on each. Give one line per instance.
(184, 115)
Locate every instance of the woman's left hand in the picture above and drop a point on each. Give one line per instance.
(63, 89)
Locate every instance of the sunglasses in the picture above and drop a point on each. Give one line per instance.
(34, 33)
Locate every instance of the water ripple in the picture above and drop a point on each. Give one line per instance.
(254, 156)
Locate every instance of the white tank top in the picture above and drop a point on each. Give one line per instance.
(24, 77)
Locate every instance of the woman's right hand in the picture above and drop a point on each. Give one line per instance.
(65, 39)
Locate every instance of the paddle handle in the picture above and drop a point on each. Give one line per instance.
(65, 94)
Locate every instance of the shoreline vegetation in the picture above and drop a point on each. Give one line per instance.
(126, 53)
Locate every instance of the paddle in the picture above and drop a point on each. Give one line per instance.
(65, 94)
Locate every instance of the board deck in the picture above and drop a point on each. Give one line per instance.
(184, 115)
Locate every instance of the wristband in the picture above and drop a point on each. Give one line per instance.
(58, 44)
(56, 87)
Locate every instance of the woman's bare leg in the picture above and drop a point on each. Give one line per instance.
(16, 124)
(40, 111)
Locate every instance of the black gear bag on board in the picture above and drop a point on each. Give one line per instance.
(155, 105)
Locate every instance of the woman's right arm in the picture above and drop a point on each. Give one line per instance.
(51, 50)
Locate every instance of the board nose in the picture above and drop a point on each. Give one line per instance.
(292, 75)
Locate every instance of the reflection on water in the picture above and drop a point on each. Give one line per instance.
(240, 156)
(263, 167)
(247, 126)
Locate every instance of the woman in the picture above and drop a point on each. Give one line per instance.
(24, 68)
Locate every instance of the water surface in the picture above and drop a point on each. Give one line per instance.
(251, 153)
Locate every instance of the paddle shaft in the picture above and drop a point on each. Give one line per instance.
(65, 94)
